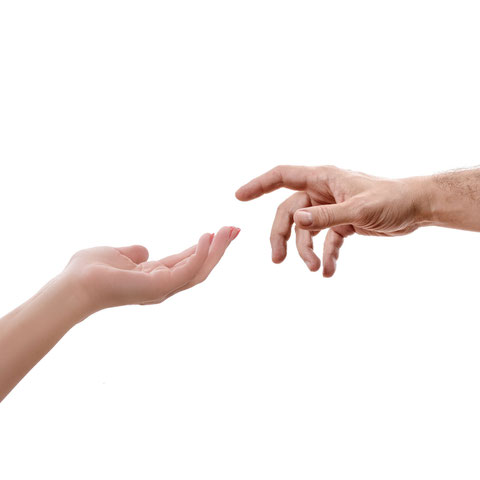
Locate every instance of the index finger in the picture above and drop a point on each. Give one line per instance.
(288, 176)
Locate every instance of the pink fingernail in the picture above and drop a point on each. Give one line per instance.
(211, 237)
(236, 231)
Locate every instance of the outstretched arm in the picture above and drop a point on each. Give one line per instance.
(95, 279)
(346, 202)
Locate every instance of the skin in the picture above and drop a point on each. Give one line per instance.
(346, 203)
(95, 279)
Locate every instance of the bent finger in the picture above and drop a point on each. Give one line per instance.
(184, 272)
(282, 224)
(304, 243)
(331, 247)
(172, 260)
(219, 245)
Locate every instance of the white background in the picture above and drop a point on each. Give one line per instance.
(135, 122)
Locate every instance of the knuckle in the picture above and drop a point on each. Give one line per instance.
(332, 168)
(331, 173)
(277, 170)
(301, 198)
(274, 176)
(286, 207)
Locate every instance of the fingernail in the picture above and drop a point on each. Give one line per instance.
(234, 234)
(304, 218)
(211, 237)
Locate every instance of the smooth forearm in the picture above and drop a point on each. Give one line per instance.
(94, 279)
(450, 199)
(31, 330)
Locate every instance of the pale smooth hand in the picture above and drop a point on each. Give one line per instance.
(109, 277)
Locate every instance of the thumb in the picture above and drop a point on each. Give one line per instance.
(324, 216)
(136, 253)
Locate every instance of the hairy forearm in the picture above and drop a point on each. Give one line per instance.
(31, 330)
(450, 199)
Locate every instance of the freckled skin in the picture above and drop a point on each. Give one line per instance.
(346, 203)
(95, 279)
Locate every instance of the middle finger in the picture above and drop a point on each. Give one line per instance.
(282, 225)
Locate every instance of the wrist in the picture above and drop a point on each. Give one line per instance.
(69, 298)
(424, 200)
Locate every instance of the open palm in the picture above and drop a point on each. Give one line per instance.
(120, 276)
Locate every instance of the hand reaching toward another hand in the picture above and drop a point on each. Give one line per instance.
(342, 201)
(111, 277)
(94, 279)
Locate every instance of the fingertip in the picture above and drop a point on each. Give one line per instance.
(279, 249)
(242, 194)
(248, 192)
(143, 253)
(329, 268)
(231, 232)
(279, 255)
(234, 233)
(313, 264)
(226, 235)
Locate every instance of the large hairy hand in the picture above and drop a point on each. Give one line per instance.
(345, 202)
